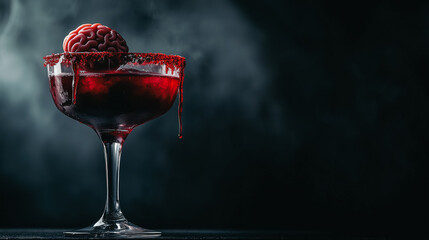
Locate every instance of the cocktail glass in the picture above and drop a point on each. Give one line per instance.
(113, 93)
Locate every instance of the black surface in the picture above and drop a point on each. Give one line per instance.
(197, 234)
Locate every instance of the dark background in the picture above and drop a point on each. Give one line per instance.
(297, 115)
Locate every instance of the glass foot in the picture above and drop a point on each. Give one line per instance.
(123, 229)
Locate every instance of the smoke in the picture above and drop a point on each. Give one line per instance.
(222, 50)
(223, 72)
(27, 110)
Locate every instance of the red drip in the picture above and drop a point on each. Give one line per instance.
(75, 80)
(180, 107)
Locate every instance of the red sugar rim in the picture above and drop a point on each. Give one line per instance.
(171, 61)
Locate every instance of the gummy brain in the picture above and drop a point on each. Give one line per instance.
(94, 38)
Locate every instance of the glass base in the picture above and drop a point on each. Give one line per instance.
(123, 229)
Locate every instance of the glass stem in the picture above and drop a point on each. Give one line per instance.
(112, 141)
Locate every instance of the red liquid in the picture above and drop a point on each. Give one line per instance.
(115, 100)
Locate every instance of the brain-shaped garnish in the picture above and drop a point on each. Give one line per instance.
(94, 38)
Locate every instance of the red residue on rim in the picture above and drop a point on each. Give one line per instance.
(172, 62)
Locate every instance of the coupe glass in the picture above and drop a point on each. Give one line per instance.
(113, 93)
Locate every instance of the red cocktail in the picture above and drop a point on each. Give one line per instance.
(113, 93)
(114, 100)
